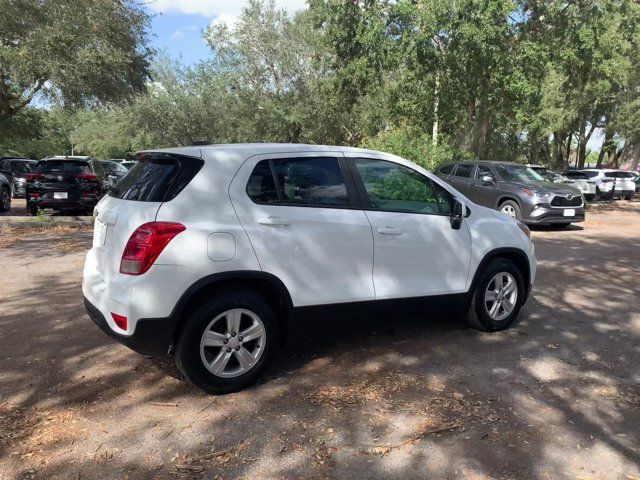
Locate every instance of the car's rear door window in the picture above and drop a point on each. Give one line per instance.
(312, 182)
(157, 178)
(447, 169)
(20, 166)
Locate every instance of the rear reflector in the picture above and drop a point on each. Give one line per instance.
(120, 320)
(32, 177)
(146, 244)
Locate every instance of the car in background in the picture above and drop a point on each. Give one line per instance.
(65, 183)
(114, 171)
(5, 194)
(582, 182)
(16, 169)
(612, 183)
(517, 191)
(128, 164)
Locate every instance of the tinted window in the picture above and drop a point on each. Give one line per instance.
(73, 167)
(464, 170)
(577, 175)
(483, 171)
(113, 168)
(310, 181)
(157, 178)
(20, 166)
(261, 187)
(619, 175)
(396, 188)
(447, 169)
(591, 174)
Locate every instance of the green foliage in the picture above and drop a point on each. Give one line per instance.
(75, 52)
(410, 143)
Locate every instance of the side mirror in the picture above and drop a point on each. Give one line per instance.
(457, 214)
(488, 179)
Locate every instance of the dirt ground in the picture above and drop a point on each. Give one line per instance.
(556, 396)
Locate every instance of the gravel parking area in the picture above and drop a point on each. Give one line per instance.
(556, 396)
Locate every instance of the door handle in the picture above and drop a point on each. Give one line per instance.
(275, 221)
(389, 231)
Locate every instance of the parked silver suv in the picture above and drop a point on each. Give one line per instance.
(516, 190)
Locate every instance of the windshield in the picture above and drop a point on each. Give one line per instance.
(21, 166)
(578, 175)
(518, 173)
(113, 168)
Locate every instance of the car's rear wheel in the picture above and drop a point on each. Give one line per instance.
(229, 342)
(5, 199)
(629, 197)
(589, 197)
(511, 208)
(497, 297)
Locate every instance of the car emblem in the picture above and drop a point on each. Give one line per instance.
(59, 178)
(569, 197)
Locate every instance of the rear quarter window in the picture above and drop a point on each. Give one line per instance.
(157, 178)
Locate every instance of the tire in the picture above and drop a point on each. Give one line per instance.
(511, 208)
(190, 353)
(628, 197)
(561, 225)
(590, 197)
(478, 315)
(5, 199)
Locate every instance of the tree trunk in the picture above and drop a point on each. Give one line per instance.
(436, 105)
(557, 160)
(582, 145)
(568, 156)
(480, 128)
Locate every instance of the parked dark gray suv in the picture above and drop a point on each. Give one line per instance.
(516, 190)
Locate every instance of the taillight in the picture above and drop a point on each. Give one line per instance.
(146, 244)
(607, 180)
(87, 177)
(32, 177)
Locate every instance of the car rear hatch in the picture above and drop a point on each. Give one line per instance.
(623, 180)
(134, 201)
(64, 180)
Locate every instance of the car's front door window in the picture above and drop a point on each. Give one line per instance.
(396, 188)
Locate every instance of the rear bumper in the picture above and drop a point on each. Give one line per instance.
(151, 336)
(63, 204)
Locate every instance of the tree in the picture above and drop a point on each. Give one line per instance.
(75, 52)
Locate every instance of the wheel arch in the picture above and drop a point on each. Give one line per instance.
(515, 255)
(266, 284)
(505, 197)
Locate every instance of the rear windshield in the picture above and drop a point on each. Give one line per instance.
(21, 166)
(619, 175)
(74, 167)
(590, 174)
(157, 178)
(578, 175)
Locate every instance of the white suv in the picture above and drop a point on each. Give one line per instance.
(611, 183)
(210, 253)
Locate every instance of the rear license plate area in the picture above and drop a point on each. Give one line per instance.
(60, 195)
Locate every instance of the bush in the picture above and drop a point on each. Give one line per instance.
(415, 145)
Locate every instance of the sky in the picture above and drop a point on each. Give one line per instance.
(178, 24)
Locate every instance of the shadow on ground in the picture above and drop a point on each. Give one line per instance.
(392, 397)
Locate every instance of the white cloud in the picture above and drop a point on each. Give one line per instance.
(227, 9)
(177, 34)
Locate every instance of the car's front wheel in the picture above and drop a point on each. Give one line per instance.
(511, 208)
(497, 297)
(229, 342)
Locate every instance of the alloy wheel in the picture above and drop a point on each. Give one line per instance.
(509, 210)
(232, 343)
(6, 199)
(500, 296)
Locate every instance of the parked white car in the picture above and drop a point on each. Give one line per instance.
(620, 181)
(582, 182)
(211, 253)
